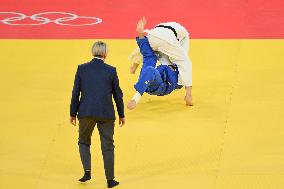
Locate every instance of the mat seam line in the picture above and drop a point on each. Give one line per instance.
(232, 88)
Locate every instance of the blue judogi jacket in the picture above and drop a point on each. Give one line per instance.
(160, 80)
(170, 81)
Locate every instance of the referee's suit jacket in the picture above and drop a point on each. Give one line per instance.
(95, 84)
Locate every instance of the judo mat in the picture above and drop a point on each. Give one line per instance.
(232, 138)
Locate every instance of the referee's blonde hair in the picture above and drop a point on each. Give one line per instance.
(100, 49)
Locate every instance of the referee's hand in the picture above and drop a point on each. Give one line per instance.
(121, 121)
(73, 120)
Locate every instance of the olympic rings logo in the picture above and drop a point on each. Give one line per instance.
(42, 18)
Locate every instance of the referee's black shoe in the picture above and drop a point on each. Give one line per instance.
(112, 183)
(87, 176)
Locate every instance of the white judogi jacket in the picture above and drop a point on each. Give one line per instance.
(176, 47)
(163, 33)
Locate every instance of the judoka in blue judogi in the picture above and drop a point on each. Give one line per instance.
(160, 80)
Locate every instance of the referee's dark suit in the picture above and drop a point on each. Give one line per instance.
(96, 82)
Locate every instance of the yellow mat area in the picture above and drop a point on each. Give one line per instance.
(232, 138)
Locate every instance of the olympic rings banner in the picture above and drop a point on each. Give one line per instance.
(62, 18)
(116, 19)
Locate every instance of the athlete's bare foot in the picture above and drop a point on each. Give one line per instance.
(188, 100)
(140, 27)
(131, 105)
